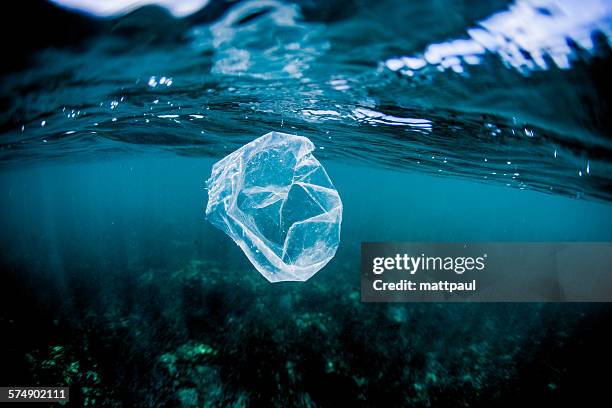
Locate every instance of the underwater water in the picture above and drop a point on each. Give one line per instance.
(440, 121)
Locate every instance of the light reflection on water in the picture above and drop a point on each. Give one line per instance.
(461, 107)
(528, 36)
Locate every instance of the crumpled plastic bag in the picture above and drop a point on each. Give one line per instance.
(275, 200)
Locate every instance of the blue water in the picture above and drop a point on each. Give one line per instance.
(115, 284)
(206, 88)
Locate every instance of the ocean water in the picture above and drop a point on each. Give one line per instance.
(437, 121)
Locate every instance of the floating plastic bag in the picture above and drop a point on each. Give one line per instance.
(275, 200)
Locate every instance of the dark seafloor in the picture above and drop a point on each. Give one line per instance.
(113, 283)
